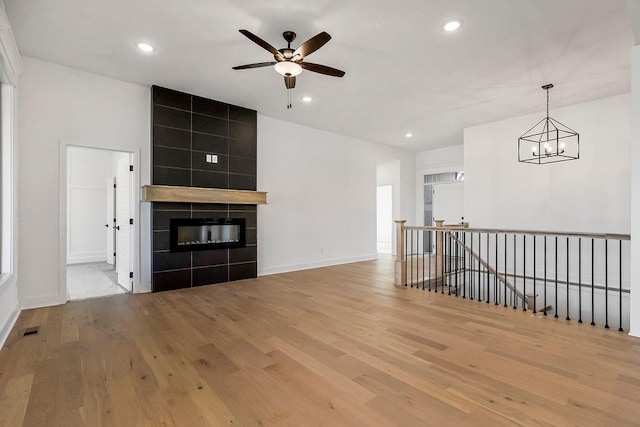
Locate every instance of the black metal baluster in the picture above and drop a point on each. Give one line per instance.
(449, 266)
(556, 292)
(471, 275)
(620, 288)
(524, 271)
(423, 276)
(464, 264)
(479, 266)
(568, 318)
(495, 278)
(412, 262)
(437, 256)
(418, 258)
(606, 284)
(430, 259)
(592, 281)
(406, 255)
(515, 269)
(544, 310)
(580, 280)
(505, 270)
(534, 274)
(488, 265)
(457, 262)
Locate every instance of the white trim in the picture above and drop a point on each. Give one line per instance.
(315, 264)
(441, 168)
(8, 181)
(135, 249)
(43, 301)
(12, 60)
(8, 326)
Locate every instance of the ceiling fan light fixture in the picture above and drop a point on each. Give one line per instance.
(288, 68)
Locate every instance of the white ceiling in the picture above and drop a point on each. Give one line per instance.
(404, 73)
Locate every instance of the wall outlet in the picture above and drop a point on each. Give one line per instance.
(211, 158)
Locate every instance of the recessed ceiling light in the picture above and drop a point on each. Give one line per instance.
(307, 98)
(145, 47)
(408, 135)
(452, 25)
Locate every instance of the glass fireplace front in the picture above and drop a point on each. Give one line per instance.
(198, 234)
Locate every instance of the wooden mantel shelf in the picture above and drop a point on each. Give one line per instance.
(169, 193)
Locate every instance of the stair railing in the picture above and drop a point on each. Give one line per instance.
(564, 274)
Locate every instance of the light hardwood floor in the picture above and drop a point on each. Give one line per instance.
(333, 346)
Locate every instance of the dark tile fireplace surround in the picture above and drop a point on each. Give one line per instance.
(186, 131)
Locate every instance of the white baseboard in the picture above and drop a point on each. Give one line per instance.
(87, 257)
(44, 301)
(316, 264)
(8, 325)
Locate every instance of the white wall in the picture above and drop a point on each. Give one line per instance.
(635, 191)
(88, 175)
(322, 196)
(59, 106)
(589, 195)
(449, 159)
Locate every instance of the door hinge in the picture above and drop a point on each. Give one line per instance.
(131, 275)
(114, 254)
(130, 168)
(131, 221)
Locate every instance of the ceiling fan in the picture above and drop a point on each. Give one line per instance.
(290, 62)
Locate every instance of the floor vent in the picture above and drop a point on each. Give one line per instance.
(31, 331)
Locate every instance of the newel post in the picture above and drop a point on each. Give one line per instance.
(439, 248)
(400, 264)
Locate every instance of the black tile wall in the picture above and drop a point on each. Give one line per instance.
(185, 128)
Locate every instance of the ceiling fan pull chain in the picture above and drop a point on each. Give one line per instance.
(289, 94)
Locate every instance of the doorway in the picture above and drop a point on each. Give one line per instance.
(443, 200)
(99, 217)
(384, 218)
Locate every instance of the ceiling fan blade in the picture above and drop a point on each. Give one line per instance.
(290, 82)
(256, 65)
(313, 44)
(322, 69)
(263, 44)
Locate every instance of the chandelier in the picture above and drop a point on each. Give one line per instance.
(548, 141)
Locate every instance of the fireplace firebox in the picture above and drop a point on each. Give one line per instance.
(200, 234)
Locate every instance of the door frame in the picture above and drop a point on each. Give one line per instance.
(62, 231)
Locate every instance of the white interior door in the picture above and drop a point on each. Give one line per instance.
(123, 228)
(448, 202)
(109, 223)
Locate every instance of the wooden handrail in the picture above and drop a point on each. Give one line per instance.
(612, 236)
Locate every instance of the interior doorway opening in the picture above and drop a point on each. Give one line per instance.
(443, 200)
(99, 222)
(384, 219)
